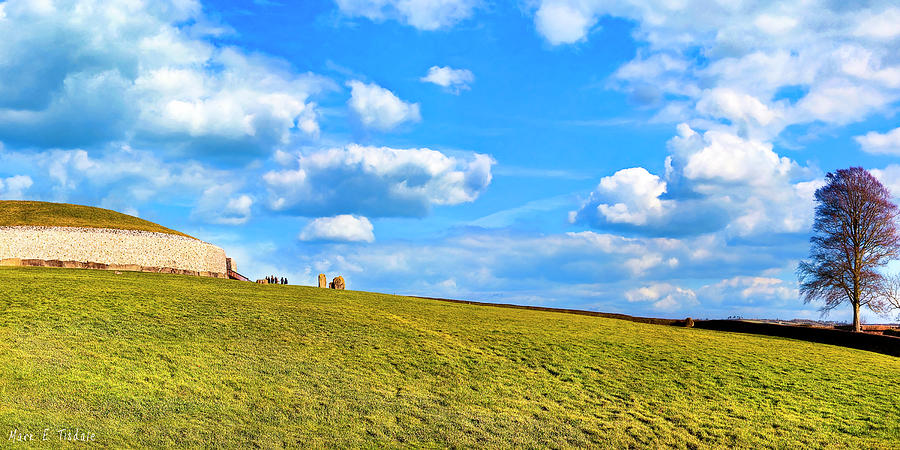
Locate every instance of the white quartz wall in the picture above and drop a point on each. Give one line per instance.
(108, 246)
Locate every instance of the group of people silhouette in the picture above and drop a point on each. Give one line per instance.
(276, 280)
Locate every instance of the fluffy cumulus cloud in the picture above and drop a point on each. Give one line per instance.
(249, 103)
(630, 196)
(714, 181)
(341, 228)
(564, 22)
(422, 14)
(455, 80)
(880, 143)
(717, 158)
(375, 181)
(123, 70)
(733, 81)
(379, 108)
(14, 187)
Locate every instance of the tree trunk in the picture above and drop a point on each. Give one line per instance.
(855, 300)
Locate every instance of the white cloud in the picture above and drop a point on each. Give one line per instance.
(722, 157)
(879, 24)
(422, 14)
(736, 75)
(737, 107)
(752, 49)
(376, 181)
(239, 206)
(745, 179)
(222, 205)
(133, 70)
(890, 177)
(379, 108)
(840, 102)
(880, 143)
(663, 296)
(124, 178)
(563, 22)
(341, 228)
(454, 79)
(72, 168)
(491, 260)
(868, 66)
(751, 288)
(581, 270)
(784, 208)
(641, 264)
(715, 181)
(651, 67)
(248, 97)
(14, 187)
(772, 24)
(632, 197)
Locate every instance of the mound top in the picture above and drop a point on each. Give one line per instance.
(27, 213)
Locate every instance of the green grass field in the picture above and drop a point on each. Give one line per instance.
(143, 359)
(15, 212)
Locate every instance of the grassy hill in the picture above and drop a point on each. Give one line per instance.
(144, 359)
(14, 213)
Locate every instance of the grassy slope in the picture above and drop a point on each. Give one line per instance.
(151, 359)
(14, 212)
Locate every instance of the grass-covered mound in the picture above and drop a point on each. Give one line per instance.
(145, 359)
(18, 213)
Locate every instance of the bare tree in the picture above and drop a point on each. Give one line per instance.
(855, 234)
(892, 292)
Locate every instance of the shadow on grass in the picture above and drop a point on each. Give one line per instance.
(888, 345)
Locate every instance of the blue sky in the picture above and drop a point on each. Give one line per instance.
(648, 157)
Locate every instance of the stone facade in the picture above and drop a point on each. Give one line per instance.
(103, 248)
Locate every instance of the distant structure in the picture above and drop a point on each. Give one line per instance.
(107, 240)
(337, 283)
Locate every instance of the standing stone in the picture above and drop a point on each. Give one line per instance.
(338, 283)
(323, 281)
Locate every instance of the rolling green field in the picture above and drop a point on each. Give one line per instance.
(143, 359)
(15, 212)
